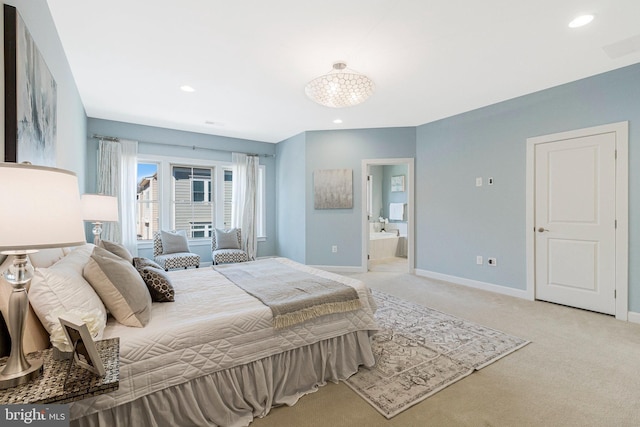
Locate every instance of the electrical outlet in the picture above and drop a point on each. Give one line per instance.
(334, 249)
(492, 262)
(490, 180)
(479, 260)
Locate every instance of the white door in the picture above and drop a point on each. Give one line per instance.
(575, 237)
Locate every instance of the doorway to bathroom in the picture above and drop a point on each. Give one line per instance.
(387, 207)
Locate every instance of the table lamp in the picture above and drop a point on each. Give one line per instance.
(99, 208)
(41, 210)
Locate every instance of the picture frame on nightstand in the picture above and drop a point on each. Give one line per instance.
(85, 353)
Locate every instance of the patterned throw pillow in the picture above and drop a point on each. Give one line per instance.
(159, 284)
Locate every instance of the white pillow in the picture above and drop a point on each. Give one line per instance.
(62, 287)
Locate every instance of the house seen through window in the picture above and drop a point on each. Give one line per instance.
(193, 206)
(148, 206)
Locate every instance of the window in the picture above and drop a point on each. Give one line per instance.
(192, 203)
(201, 230)
(188, 194)
(147, 196)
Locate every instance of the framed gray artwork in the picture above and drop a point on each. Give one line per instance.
(333, 188)
(30, 97)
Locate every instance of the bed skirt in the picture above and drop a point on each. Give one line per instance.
(235, 396)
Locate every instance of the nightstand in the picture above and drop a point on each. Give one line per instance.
(49, 387)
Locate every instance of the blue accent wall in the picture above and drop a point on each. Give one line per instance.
(345, 149)
(457, 220)
(290, 194)
(389, 196)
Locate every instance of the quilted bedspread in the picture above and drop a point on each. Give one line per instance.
(213, 325)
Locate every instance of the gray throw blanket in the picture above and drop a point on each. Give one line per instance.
(293, 296)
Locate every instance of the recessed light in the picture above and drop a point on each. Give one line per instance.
(580, 21)
(337, 121)
(187, 88)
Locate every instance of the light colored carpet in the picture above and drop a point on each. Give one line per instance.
(420, 351)
(581, 368)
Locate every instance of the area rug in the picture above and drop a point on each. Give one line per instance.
(419, 351)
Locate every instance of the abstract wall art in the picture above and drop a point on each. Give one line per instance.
(333, 188)
(30, 97)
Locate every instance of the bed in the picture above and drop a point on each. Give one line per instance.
(213, 356)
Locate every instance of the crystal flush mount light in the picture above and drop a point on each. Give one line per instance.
(340, 87)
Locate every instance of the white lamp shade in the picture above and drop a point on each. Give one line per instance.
(40, 208)
(99, 208)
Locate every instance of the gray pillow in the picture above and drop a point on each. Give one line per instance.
(117, 249)
(120, 287)
(174, 242)
(227, 239)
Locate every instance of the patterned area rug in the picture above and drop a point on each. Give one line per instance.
(419, 351)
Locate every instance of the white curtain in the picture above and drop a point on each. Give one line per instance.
(117, 177)
(243, 200)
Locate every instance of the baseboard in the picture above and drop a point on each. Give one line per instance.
(633, 317)
(340, 268)
(518, 293)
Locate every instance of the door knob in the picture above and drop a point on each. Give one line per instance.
(542, 230)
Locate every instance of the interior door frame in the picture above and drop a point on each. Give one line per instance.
(621, 129)
(409, 162)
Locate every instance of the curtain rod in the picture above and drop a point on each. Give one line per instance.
(193, 147)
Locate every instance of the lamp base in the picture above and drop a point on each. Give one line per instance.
(22, 377)
(97, 230)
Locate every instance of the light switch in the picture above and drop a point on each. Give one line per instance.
(479, 181)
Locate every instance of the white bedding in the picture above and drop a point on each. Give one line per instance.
(212, 325)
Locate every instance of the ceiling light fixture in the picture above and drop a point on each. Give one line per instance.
(581, 21)
(187, 88)
(340, 87)
(337, 121)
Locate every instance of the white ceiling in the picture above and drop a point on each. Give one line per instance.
(249, 60)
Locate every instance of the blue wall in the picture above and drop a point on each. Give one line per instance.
(290, 194)
(381, 190)
(345, 149)
(491, 141)
(150, 140)
(393, 196)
